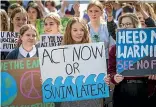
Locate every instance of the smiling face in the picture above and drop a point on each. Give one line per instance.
(77, 32)
(29, 37)
(50, 26)
(94, 13)
(19, 20)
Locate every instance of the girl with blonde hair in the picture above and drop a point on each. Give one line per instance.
(52, 24)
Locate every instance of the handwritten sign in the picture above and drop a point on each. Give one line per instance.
(21, 84)
(50, 40)
(136, 51)
(8, 41)
(73, 72)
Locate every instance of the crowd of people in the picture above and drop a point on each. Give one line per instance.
(98, 23)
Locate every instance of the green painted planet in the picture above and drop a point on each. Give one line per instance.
(8, 88)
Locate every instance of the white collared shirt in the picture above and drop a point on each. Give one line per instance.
(24, 52)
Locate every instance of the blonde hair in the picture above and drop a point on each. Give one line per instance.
(15, 11)
(149, 10)
(67, 39)
(95, 3)
(4, 20)
(99, 5)
(23, 29)
(132, 16)
(56, 18)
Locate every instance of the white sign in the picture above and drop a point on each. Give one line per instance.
(75, 67)
(8, 41)
(50, 40)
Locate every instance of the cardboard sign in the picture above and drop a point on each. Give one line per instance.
(8, 41)
(21, 84)
(136, 51)
(73, 72)
(51, 40)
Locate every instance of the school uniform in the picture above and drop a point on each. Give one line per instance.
(20, 53)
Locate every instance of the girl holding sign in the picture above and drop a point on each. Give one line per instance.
(128, 91)
(26, 48)
(77, 33)
(18, 18)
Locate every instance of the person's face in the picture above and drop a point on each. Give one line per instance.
(50, 26)
(32, 14)
(141, 19)
(19, 20)
(29, 37)
(77, 32)
(49, 6)
(94, 13)
(126, 22)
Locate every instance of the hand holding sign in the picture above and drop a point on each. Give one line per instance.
(118, 78)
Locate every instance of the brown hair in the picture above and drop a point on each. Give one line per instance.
(56, 18)
(23, 29)
(15, 11)
(12, 7)
(67, 39)
(95, 3)
(4, 20)
(132, 16)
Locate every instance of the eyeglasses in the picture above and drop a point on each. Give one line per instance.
(125, 25)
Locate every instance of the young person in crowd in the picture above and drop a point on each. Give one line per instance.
(36, 12)
(128, 91)
(18, 18)
(52, 24)
(26, 48)
(50, 5)
(97, 27)
(77, 33)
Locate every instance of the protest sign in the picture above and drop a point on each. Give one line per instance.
(73, 72)
(48, 40)
(136, 51)
(21, 84)
(8, 41)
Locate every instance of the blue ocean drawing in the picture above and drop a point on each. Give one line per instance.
(79, 90)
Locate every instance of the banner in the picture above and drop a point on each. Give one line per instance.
(136, 51)
(50, 40)
(8, 41)
(21, 84)
(73, 72)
